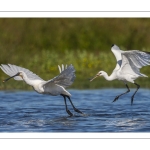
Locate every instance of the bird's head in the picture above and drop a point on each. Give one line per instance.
(100, 73)
(20, 73)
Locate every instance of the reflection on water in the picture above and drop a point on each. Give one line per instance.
(31, 112)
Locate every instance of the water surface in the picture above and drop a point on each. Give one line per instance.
(26, 111)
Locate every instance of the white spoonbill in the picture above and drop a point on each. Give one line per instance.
(55, 86)
(127, 67)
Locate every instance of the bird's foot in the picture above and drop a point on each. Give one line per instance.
(68, 111)
(77, 110)
(116, 98)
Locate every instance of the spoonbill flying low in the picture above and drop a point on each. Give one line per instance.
(55, 86)
(127, 67)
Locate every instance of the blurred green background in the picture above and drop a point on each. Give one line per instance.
(40, 44)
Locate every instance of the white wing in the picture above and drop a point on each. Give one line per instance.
(11, 70)
(117, 52)
(133, 60)
(64, 79)
(128, 67)
(138, 58)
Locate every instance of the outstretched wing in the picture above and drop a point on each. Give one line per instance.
(117, 52)
(138, 58)
(135, 60)
(11, 70)
(65, 78)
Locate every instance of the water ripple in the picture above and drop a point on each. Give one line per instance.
(25, 111)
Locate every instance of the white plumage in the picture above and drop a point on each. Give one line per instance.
(127, 67)
(55, 86)
(12, 70)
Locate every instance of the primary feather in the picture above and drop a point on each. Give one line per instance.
(65, 78)
(11, 70)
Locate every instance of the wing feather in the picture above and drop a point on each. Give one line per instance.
(11, 70)
(130, 61)
(62, 67)
(65, 78)
(6, 69)
(128, 66)
(66, 67)
(59, 68)
(138, 58)
(133, 60)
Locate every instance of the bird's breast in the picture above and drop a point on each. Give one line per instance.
(38, 88)
(120, 76)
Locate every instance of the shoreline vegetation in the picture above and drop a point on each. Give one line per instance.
(41, 44)
(86, 65)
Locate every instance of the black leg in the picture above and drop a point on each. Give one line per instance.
(75, 109)
(138, 86)
(117, 97)
(68, 111)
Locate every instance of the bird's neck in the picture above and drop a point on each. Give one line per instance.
(27, 80)
(109, 78)
(36, 84)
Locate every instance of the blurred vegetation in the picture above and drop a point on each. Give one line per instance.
(40, 44)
